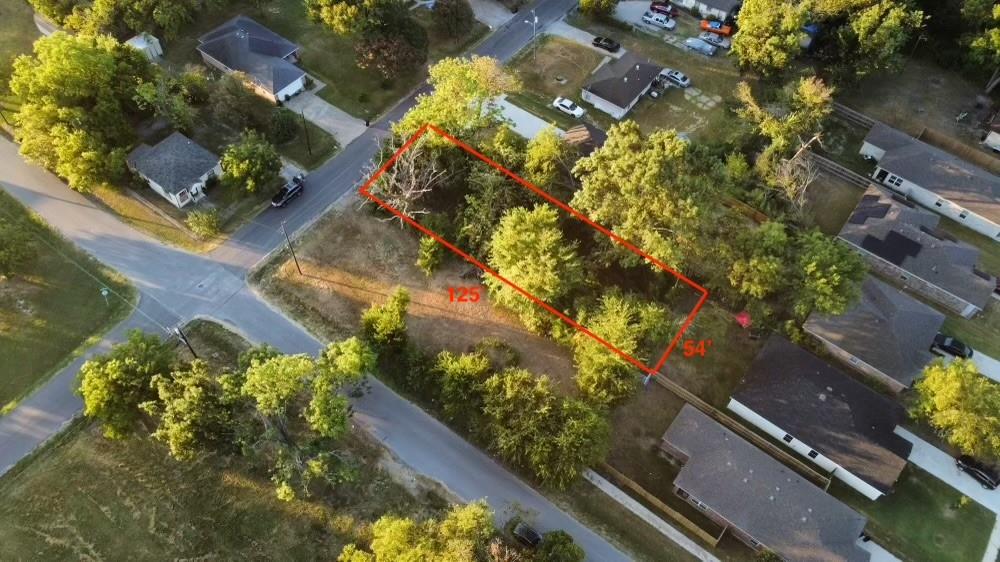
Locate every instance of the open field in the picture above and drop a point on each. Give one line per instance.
(85, 497)
(922, 519)
(51, 309)
(981, 332)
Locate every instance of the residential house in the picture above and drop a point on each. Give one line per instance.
(938, 180)
(902, 242)
(264, 57)
(823, 414)
(886, 335)
(717, 9)
(757, 499)
(618, 85)
(177, 168)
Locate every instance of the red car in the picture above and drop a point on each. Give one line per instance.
(716, 27)
(665, 8)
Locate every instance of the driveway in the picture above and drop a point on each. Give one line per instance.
(987, 365)
(524, 123)
(577, 35)
(942, 465)
(330, 118)
(492, 13)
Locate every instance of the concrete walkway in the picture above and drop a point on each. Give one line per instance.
(577, 35)
(942, 465)
(524, 123)
(987, 365)
(331, 119)
(492, 13)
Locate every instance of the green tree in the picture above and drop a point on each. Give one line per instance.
(598, 7)
(385, 325)
(166, 100)
(284, 125)
(252, 163)
(462, 536)
(529, 249)
(114, 385)
(985, 49)
(492, 195)
(761, 271)
(962, 405)
(828, 275)
(505, 147)
(453, 18)
(461, 378)
(192, 413)
(16, 248)
(274, 383)
(393, 53)
(770, 34)
(234, 105)
(78, 94)
(878, 34)
(558, 546)
(430, 255)
(205, 224)
(460, 102)
(342, 364)
(545, 158)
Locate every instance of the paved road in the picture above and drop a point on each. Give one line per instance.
(176, 286)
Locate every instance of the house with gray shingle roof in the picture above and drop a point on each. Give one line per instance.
(618, 85)
(823, 414)
(177, 168)
(902, 242)
(938, 180)
(264, 57)
(757, 499)
(887, 334)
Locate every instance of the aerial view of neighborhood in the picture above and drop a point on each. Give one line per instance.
(500, 280)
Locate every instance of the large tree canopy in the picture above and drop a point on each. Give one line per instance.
(963, 405)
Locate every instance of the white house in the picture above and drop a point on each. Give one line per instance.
(936, 179)
(819, 412)
(177, 168)
(717, 9)
(264, 57)
(618, 85)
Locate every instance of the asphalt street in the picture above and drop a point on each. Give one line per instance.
(176, 286)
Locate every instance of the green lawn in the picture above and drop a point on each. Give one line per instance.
(442, 45)
(17, 33)
(989, 257)
(85, 497)
(981, 332)
(52, 309)
(829, 201)
(922, 519)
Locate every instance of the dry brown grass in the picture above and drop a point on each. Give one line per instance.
(353, 259)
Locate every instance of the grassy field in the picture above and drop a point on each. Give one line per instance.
(52, 309)
(85, 497)
(981, 332)
(441, 45)
(699, 110)
(17, 33)
(829, 201)
(922, 519)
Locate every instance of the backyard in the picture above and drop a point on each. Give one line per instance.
(923, 519)
(52, 309)
(87, 497)
(980, 332)
(829, 201)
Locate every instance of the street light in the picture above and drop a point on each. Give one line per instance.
(534, 31)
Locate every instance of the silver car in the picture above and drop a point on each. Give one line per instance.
(716, 39)
(697, 45)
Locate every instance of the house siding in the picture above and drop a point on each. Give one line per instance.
(938, 204)
(902, 278)
(291, 89)
(740, 534)
(858, 365)
(705, 10)
(604, 105)
(828, 465)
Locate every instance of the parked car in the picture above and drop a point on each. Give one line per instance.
(665, 8)
(526, 535)
(714, 39)
(659, 20)
(948, 345)
(984, 474)
(292, 189)
(606, 43)
(568, 107)
(699, 46)
(674, 77)
(717, 27)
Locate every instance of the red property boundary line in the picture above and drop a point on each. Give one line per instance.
(364, 191)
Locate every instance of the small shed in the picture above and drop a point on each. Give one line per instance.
(147, 45)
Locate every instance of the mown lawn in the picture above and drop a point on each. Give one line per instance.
(923, 519)
(52, 308)
(981, 332)
(85, 497)
(17, 34)
(829, 201)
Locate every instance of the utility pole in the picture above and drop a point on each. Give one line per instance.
(290, 248)
(534, 33)
(180, 334)
(305, 130)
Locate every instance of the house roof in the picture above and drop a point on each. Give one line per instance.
(826, 409)
(175, 163)
(886, 329)
(943, 173)
(769, 501)
(585, 136)
(246, 46)
(623, 80)
(907, 237)
(725, 5)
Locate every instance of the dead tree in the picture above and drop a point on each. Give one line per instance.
(406, 182)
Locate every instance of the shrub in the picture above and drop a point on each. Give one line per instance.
(385, 325)
(284, 126)
(431, 253)
(453, 18)
(204, 224)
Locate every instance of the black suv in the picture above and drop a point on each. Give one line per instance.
(526, 535)
(951, 346)
(291, 190)
(983, 473)
(606, 43)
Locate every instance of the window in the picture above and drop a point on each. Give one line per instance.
(939, 203)
(894, 180)
(754, 543)
(853, 360)
(788, 438)
(903, 277)
(963, 214)
(813, 454)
